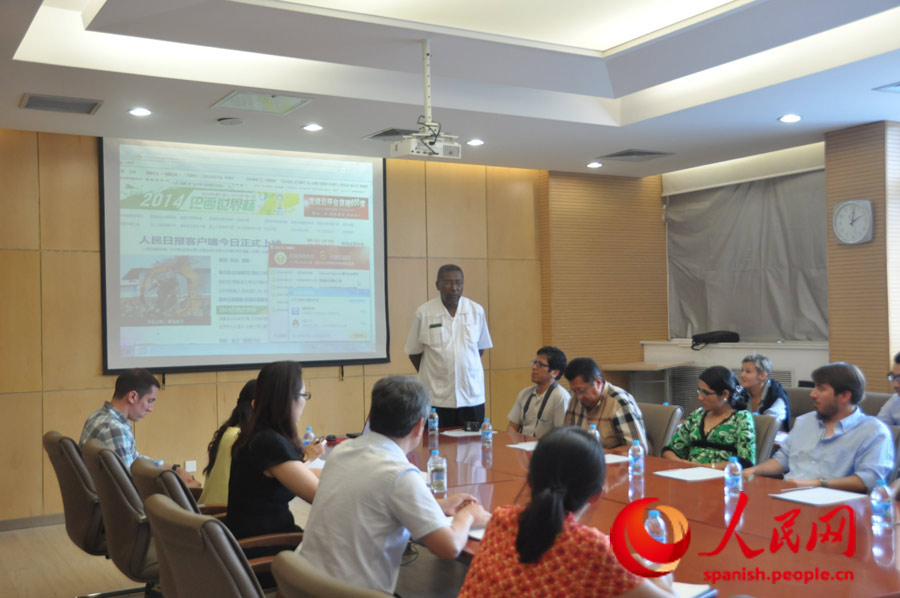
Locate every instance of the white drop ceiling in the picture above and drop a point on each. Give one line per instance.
(546, 85)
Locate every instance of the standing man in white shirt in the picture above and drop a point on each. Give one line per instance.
(448, 336)
(541, 407)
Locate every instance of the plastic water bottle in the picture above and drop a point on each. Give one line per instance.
(636, 459)
(437, 473)
(882, 506)
(594, 432)
(656, 526)
(635, 487)
(433, 429)
(487, 433)
(487, 456)
(734, 480)
(308, 437)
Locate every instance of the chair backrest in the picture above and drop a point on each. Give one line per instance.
(149, 479)
(128, 538)
(660, 422)
(766, 428)
(872, 402)
(84, 521)
(298, 579)
(800, 401)
(202, 557)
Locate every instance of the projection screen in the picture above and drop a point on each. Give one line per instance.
(224, 257)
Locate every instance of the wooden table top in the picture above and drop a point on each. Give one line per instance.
(874, 565)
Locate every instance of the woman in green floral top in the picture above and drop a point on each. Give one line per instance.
(721, 428)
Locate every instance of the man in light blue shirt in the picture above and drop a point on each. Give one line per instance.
(890, 411)
(837, 445)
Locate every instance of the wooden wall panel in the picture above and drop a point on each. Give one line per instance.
(226, 400)
(65, 412)
(857, 285)
(405, 208)
(456, 213)
(407, 292)
(181, 425)
(515, 308)
(71, 321)
(20, 455)
(236, 375)
(336, 406)
(506, 385)
(70, 192)
(512, 213)
(544, 219)
(20, 321)
(607, 265)
(20, 225)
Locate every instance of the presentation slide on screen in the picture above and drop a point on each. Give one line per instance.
(218, 257)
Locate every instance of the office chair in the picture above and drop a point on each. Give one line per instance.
(298, 579)
(660, 422)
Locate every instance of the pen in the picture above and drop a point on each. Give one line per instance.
(796, 488)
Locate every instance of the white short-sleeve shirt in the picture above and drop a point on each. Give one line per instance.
(451, 365)
(370, 501)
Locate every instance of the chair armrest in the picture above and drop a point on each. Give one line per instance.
(289, 540)
(261, 564)
(196, 492)
(212, 509)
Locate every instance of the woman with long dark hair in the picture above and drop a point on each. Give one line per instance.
(541, 549)
(720, 428)
(267, 467)
(218, 468)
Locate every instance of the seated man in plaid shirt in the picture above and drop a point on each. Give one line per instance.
(617, 416)
(133, 398)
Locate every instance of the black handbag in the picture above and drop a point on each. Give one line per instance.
(699, 341)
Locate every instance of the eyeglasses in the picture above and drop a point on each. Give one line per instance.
(540, 364)
(892, 376)
(706, 393)
(305, 395)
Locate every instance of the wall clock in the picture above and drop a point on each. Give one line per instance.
(852, 222)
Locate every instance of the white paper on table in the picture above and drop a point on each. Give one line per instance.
(476, 533)
(818, 496)
(692, 474)
(613, 459)
(317, 463)
(525, 446)
(690, 590)
(461, 433)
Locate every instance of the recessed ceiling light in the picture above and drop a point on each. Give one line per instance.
(789, 118)
(594, 164)
(312, 127)
(139, 111)
(475, 142)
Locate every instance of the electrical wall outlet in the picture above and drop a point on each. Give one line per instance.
(190, 466)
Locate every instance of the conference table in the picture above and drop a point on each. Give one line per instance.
(791, 547)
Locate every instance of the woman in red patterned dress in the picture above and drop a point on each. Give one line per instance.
(541, 549)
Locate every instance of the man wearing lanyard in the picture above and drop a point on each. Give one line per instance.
(541, 407)
(445, 343)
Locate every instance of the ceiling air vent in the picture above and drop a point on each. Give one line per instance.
(635, 155)
(60, 104)
(390, 134)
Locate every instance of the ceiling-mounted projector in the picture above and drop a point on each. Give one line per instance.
(413, 145)
(429, 142)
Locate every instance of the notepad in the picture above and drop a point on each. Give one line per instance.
(317, 463)
(476, 533)
(461, 433)
(693, 590)
(692, 474)
(818, 496)
(525, 446)
(613, 459)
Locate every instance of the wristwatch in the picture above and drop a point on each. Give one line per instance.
(823, 482)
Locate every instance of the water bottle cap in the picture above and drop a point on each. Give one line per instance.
(665, 403)
(881, 483)
(434, 451)
(732, 459)
(434, 409)
(310, 427)
(593, 426)
(638, 442)
(653, 513)
(487, 420)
